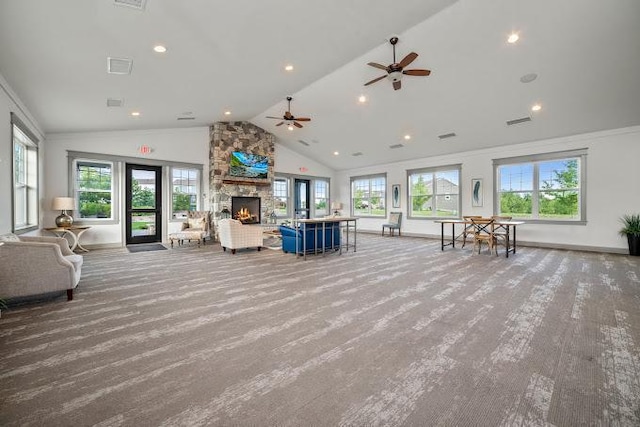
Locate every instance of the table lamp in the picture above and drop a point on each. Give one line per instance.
(336, 206)
(63, 204)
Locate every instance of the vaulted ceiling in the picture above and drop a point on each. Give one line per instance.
(230, 56)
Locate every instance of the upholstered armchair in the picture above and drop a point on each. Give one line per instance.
(33, 265)
(395, 222)
(294, 241)
(198, 221)
(236, 235)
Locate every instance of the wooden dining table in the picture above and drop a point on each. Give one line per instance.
(509, 226)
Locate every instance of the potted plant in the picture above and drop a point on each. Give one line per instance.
(631, 229)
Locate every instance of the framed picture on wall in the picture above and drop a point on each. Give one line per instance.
(476, 192)
(395, 196)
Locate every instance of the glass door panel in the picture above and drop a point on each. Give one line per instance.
(143, 204)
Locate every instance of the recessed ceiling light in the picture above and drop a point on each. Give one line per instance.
(159, 49)
(407, 137)
(288, 67)
(227, 113)
(528, 78)
(536, 107)
(513, 37)
(135, 113)
(362, 99)
(290, 127)
(335, 153)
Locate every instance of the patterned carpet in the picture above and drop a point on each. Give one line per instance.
(398, 333)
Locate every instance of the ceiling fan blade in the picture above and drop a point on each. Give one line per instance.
(408, 59)
(296, 124)
(417, 72)
(280, 124)
(375, 80)
(397, 84)
(288, 115)
(303, 119)
(373, 64)
(271, 117)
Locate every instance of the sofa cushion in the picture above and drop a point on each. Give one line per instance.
(9, 237)
(197, 223)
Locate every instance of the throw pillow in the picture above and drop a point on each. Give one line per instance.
(9, 237)
(196, 223)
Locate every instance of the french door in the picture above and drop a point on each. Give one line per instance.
(302, 198)
(143, 204)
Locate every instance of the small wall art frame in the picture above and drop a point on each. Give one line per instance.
(477, 190)
(395, 196)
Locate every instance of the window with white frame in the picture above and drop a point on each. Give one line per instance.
(25, 178)
(321, 196)
(281, 197)
(368, 195)
(184, 191)
(434, 192)
(545, 187)
(94, 189)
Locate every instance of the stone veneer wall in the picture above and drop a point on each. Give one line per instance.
(226, 137)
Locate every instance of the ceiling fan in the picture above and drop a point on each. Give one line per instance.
(396, 69)
(290, 118)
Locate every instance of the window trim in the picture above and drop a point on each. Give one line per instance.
(115, 188)
(369, 177)
(16, 122)
(434, 169)
(580, 154)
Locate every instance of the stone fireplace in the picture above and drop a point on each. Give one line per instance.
(246, 209)
(229, 137)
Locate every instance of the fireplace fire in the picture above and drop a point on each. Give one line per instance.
(246, 209)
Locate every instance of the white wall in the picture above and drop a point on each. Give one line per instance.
(10, 103)
(613, 176)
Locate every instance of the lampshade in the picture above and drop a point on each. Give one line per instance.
(63, 204)
(336, 205)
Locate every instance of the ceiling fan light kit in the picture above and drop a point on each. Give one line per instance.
(396, 70)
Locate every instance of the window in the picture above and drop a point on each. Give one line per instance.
(368, 195)
(321, 195)
(25, 178)
(546, 187)
(94, 189)
(184, 191)
(281, 196)
(434, 192)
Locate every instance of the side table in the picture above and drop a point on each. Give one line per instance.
(74, 232)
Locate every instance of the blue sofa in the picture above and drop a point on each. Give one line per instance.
(313, 235)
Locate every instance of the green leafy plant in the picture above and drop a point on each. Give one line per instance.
(631, 225)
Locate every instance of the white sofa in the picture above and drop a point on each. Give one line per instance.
(33, 265)
(235, 235)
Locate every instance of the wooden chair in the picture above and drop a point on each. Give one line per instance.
(395, 221)
(500, 231)
(468, 228)
(483, 232)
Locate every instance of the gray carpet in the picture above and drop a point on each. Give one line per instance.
(398, 333)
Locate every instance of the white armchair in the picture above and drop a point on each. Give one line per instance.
(236, 235)
(32, 265)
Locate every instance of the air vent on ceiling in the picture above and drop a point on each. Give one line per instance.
(119, 65)
(305, 143)
(356, 154)
(396, 146)
(447, 135)
(518, 121)
(136, 4)
(186, 118)
(113, 102)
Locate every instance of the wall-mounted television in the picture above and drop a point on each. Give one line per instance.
(246, 165)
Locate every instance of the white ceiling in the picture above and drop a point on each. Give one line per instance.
(230, 56)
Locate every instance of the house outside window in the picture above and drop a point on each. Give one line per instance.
(321, 196)
(25, 178)
(546, 187)
(434, 192)
(281, 197)
(94, 189)
(184, 191)
(368, 196)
